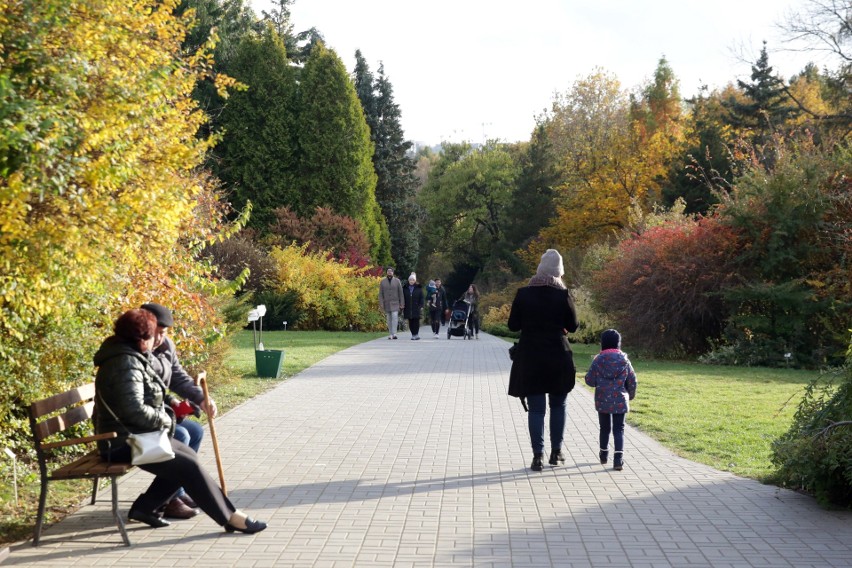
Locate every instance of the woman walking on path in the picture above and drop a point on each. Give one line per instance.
(543, 365)
(412, 294)
(472, 298)
(614, 380)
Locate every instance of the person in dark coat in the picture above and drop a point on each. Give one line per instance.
(441, 293)
(412, 294)
(543, 364)
(131, 398)
(167, 365)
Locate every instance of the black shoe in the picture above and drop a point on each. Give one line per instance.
(252, 526)
(604, 455)
(151, 519)
(536, 463)
(556, 456)
(617, 462)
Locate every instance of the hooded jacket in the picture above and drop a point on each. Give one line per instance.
(135, 394)
(614, 380)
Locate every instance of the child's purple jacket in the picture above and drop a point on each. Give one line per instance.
(614, 380)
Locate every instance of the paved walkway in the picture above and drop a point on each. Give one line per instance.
(403, 453)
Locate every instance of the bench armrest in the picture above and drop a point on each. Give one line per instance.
(83, 440)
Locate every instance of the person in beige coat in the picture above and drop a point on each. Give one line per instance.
(391, 301)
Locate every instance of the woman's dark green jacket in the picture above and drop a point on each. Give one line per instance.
(134, 392)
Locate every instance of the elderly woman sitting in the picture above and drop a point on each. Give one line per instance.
(130, 399)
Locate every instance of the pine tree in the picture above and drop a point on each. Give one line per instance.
(766, 106)
(396, 184)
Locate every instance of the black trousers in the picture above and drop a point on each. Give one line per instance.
(183, 471)
(414, 325)
(435, 316)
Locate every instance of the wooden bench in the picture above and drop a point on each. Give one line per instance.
(55, 415)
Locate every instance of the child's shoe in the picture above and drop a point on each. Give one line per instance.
(617, 462)
(604, 455)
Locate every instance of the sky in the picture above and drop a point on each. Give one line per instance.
(471, 70)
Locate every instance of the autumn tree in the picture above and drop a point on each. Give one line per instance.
(609, 161)
(325, 230)
(100, 186)
(663, 286)
(825, 27)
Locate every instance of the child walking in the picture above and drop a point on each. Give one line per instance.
(614, 380)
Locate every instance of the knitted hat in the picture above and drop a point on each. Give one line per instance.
(551, 264)
(610, 339)
(163, 315)
(412, 277)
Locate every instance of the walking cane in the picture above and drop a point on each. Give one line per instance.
(202, 378)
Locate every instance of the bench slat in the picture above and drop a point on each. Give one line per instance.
(68, 398)
(64, 421)
(90, 465)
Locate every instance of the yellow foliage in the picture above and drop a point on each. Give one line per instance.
(98, 167)
(331, 294)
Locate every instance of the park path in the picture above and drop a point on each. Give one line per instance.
(409, 453)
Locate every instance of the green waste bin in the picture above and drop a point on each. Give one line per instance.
(268, 362)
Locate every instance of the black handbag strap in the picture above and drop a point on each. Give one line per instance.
(100, 396)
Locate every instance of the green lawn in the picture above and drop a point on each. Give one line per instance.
(725, 417)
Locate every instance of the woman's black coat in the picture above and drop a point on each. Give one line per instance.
(543, 362)
(413, 302)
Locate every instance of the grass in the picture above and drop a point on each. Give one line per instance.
(724, 417)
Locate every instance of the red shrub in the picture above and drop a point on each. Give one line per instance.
(663, 287)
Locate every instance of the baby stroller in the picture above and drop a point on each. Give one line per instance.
(458, 320)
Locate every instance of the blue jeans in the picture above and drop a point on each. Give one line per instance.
(190, 433)
(614, 423)
(558, 412)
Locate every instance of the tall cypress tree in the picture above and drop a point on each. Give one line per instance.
(257, 156)
(396, 184)
(336, 168)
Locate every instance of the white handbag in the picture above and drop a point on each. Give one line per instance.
(150, 447)
(146, 447)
